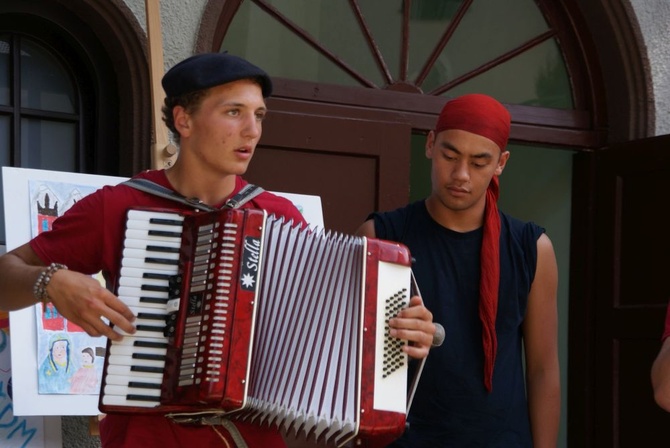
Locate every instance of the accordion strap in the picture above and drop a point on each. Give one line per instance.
(232, 431)
(246, 194)
(214, 420)
(419, 369)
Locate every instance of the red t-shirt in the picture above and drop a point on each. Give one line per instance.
(88, 238)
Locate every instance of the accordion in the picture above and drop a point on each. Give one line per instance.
(244, 315)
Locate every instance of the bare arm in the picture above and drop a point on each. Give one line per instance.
(414, 323)
(19, 270)
(660, 376)
(79, 298)
(540, 331)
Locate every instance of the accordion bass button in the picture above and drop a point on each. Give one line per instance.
(170, 327)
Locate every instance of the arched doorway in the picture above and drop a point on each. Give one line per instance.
(350, 61)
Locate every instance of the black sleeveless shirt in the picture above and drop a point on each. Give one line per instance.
(451, 407)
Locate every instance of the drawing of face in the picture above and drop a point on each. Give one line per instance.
(59, 351)
(86, 359)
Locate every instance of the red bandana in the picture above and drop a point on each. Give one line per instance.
(483, 115)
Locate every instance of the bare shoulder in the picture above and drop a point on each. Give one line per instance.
(544, 242)
(546, 272)
(545, 250)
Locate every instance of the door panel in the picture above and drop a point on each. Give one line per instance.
(355, 166)
(631, 290)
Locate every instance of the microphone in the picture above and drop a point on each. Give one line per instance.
(438, 337)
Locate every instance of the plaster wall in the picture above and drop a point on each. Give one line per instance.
(180, 20)
(653, 17)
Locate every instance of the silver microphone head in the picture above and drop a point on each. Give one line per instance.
(438, 337)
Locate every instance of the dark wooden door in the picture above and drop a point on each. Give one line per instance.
(356, 166)
(630, 291)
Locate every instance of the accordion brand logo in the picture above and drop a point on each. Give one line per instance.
(194, 304)
(251, 258)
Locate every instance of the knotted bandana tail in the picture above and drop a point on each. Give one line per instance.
(490, 280)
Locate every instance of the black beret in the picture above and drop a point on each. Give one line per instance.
(206, 70)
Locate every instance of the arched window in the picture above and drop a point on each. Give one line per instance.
(368, 55)
(42, 102)
(42, 97)
(437, 48)
(60, 107)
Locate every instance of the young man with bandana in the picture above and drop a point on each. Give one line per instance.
(215, 107)
(491, 281)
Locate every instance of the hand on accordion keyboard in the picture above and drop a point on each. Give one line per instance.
(414, 324)
(83, 300)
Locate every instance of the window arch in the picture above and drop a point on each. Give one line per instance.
(42, 98)
(47, 100)
(436, 48)
(533, 56)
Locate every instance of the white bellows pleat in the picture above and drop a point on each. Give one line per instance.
(304, 367)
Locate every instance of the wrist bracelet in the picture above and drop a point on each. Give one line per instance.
(40, 287)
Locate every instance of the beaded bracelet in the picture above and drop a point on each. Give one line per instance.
(40, 287)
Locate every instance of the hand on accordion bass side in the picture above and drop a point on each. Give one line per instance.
(415, 325)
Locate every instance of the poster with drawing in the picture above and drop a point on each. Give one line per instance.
(56, 367)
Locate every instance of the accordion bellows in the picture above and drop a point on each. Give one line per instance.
(243, 315)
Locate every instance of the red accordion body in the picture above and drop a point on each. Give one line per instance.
(249, 317)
